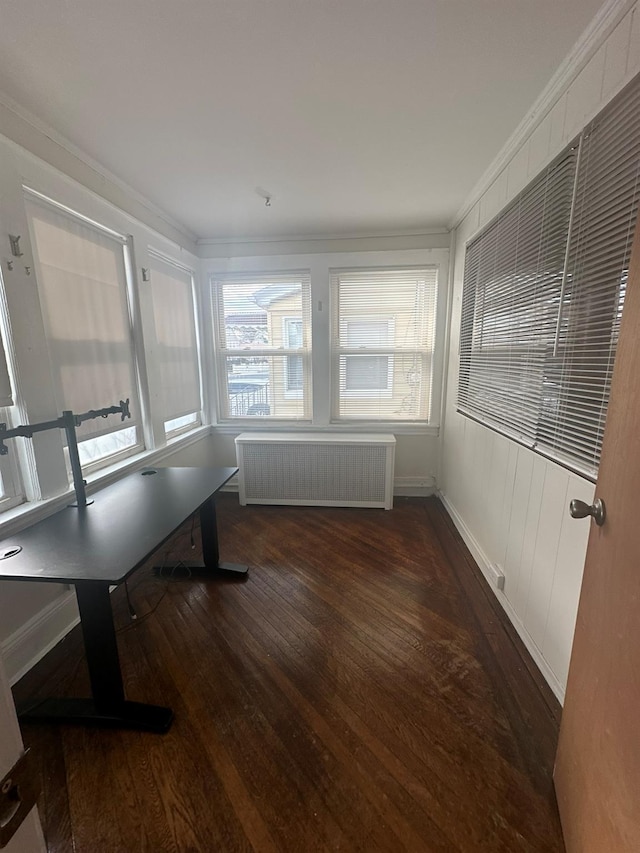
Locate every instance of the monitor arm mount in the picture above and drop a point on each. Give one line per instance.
(68, 422)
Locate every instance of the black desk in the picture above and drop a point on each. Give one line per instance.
(99, 546)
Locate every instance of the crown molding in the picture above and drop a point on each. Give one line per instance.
(609, 16)
(25, 122)
(310, 238)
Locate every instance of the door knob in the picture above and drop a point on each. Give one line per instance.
(580, 509)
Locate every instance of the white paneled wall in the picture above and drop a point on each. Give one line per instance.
(510, 504)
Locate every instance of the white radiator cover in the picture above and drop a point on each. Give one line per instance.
(316, 469)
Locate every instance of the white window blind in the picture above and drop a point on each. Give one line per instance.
(543, 291)
(578, 377)
(512, 281)
(382, 342)
(263, 345)
(82, 285)
(176, 337)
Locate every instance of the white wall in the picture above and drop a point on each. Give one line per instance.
(510, 504)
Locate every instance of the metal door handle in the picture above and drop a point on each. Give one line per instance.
(580, 509)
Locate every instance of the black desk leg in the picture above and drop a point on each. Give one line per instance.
(209, 534)
(107, 707)
(100, 646)
(210, 552)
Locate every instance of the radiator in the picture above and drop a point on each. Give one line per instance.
(316, 469)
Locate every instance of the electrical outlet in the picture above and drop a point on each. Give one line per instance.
(497, 575)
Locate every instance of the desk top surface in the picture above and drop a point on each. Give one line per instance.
(107, 540)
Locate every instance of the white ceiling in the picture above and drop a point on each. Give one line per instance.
(357, 116)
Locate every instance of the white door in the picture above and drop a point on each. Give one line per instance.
(28, 837)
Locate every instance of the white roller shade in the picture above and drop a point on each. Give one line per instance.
(176, 337)
(82, 285)
(382, 343)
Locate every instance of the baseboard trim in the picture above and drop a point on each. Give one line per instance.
(484, 565)
(414, 487)
(31, 642)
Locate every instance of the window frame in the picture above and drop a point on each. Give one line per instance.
(128, 292)
(221, 353)
(429, 352)
(320, 265)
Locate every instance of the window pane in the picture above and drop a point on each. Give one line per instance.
(94, 449)
(293, 338)
(295, 379)
(366, 372)
(263, 346)
(180, 424)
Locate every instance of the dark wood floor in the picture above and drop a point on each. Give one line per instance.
(361, 691)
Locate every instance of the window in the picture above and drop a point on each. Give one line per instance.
(83, 293)
(383, 337)
(263, 345)
(177, 344)
(543, 292)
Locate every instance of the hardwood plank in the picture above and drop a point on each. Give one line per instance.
(360, 691)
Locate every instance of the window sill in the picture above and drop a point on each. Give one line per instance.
(28, 513)
(364, 426)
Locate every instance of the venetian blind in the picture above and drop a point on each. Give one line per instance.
(578, 378)
(511, 296)
(382, 343)
(82, 285)
(543, 293)
(176, 338)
